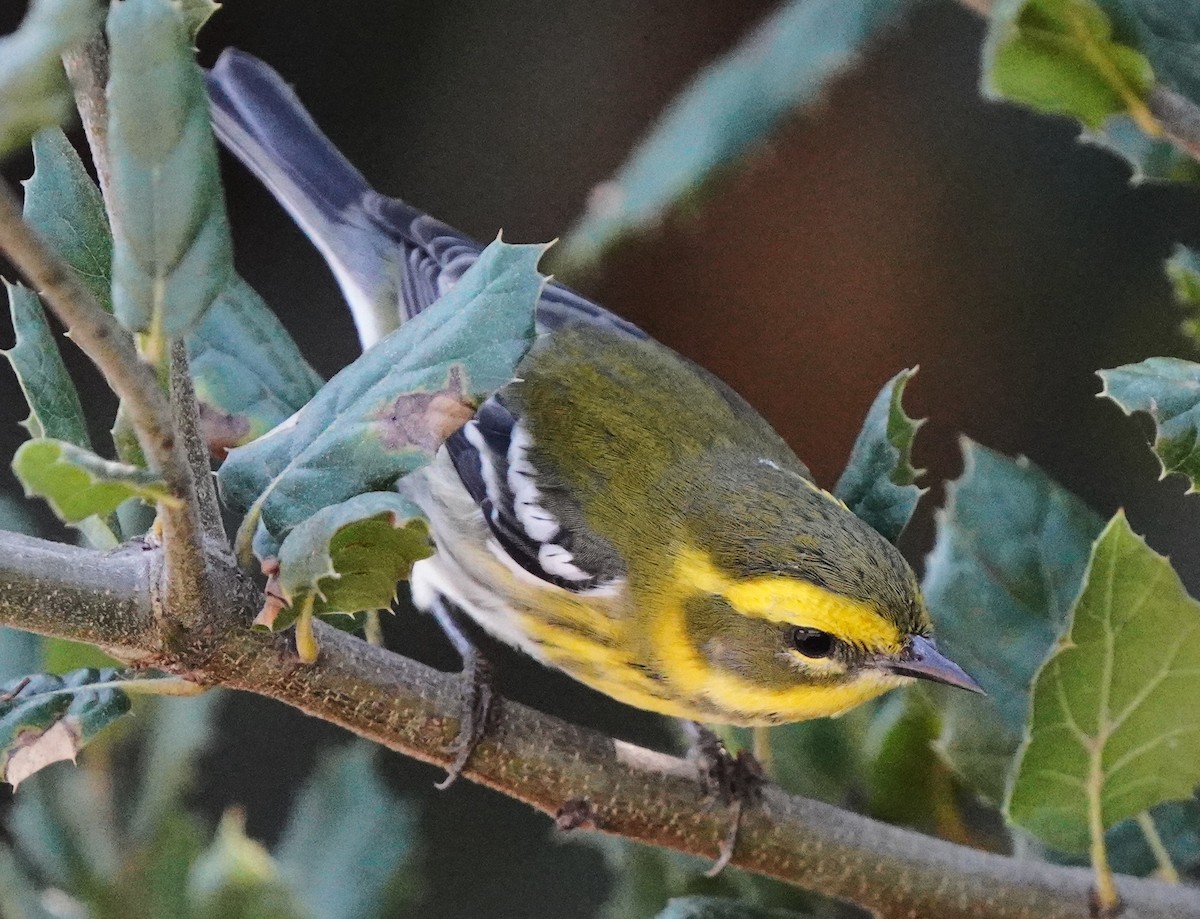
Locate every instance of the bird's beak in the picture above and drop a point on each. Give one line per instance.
(921, 659)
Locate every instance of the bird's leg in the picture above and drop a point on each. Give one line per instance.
(478, 694)
(733, 781)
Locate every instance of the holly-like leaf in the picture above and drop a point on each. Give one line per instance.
(877, 483)
(79, 484)
(349, 556)
(734, 104)
(1151, 159)
(343, 805)
(54, 407)
(172, 253)
(1061, 57)
(1114, 727)
(1010, 554)
(34, 91)
(248, 373)
(386, 414)
(64, 205)
(45, 719)
(197, 12)
(1168, 390)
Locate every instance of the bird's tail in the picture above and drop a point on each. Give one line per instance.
(260, 119)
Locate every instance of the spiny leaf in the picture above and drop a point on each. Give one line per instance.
(344, 803)
(386, 414)
(45, 719)
(64, 205)
(34, 91)
(78, 484)
(55, 409)
(734, 104)
(1151, 159)
(878, 481)
(1010, 554)
(1167, 389)
(172, 254)
(197, 12)
(1114, 727)
(349, 556)
(1060, 57)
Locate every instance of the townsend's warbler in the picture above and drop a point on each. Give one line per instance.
(616, 511)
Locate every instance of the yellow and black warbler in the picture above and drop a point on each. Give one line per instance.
(617, 512)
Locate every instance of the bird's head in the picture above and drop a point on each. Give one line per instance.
(794, 607)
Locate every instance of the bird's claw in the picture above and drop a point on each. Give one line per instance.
(478, 699)
(735, 782)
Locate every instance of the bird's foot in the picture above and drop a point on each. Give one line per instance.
(478, 698)
(735, 782)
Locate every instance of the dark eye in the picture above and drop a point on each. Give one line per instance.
(812, 642)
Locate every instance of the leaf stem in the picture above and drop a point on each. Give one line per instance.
(1166, 868)
(1108, 898)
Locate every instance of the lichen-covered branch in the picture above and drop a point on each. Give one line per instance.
(110, 600)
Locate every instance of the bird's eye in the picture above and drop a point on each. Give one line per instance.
(812, 642)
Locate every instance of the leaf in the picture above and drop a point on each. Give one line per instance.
(45, 719)
(248, 373)
(55, 409)
(197, 12)
(1114, 726)
(349, 556)
(1183, 268)
(1168, 33)
(1167, 389)
(34, 91)
(172, 253)
(19, 897)
(343, 810)
(386, 414)
(877, 483)
(64, 205)
(1151, 159)
(78, 484)
(720, 908)
(1010, 554)
(236, 878)
(727, 109)
(1061, 57)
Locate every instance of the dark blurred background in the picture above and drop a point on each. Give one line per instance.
(904, 221)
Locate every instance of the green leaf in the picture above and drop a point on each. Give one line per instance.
(878, 481)
(386, 414)
(348, 557)
(79, 484)
(1010, 554)
(34, 91)
(19, 896)
(1168, 390)
(344, 805)
(248, 373)
(1114, 726)
(1151, 159)
(197, 12)
(1183, 268)
(45, 719)
(236, 878)
(55, 409)
(64, 205)
(172, 254)
(1061, 57)
(727, 109)
(720, 908)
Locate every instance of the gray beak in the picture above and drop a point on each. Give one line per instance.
(921, 659)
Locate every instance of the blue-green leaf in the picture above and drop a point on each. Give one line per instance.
(386, 414)
(172, 253)
(344, 806)
(721, 908)
(1168, 390)
(45, 719)
(54, 407)
(236, 878)
(1183, 268)
(878, 481)
(34, 91)
(727, 109)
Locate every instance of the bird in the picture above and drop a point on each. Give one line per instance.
(616, 511)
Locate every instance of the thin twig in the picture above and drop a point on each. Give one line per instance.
(107, 599)
(111, 348)
(187, 421)
(87, 69)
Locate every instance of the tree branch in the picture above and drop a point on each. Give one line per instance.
(87, 69)
(110, 600)
(111, 348)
